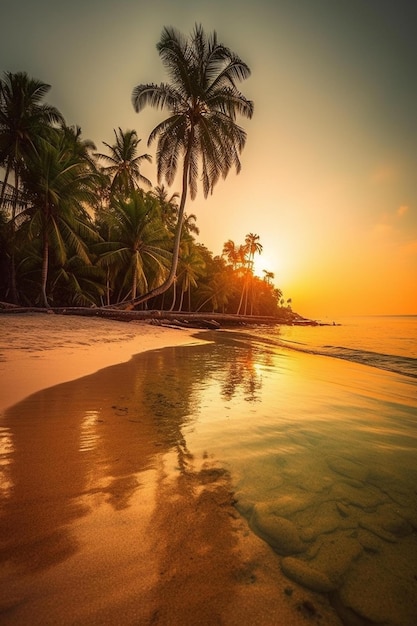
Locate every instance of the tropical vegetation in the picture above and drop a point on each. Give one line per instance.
(80, 227)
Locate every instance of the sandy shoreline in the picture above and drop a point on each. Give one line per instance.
(70, 347)
(108, 519)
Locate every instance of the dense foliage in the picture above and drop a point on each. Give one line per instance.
(82, 228)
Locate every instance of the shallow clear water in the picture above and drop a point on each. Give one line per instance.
(323, 452)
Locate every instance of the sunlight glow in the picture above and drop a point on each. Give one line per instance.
(262, 263)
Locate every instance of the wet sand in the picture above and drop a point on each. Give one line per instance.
(39, 350)
(106, 516)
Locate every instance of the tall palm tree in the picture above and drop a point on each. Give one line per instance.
(251, 247)
(58, 182)
(203, 102)
(124, 162)
(234, 254)
(23, 119)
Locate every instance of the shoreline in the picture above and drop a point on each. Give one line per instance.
(100, 525)
(28, 367)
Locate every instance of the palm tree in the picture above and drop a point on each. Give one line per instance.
(23, 119)
(58, 182)
(203, 103)
(252, 246)
(124, 163)
(217, 292)
(233, 253)
(78, 283)
(136, 253)
(268, 277)
(191, 267)
(168, 205)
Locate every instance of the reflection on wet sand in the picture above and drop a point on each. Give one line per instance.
(109, 517)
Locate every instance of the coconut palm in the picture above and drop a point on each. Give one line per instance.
(168, 205)
(201, 130)
(58, 183)
(77, 283)
(268, 277)
(23, 119)
(191, 267)
(217, 292)
(136, 252)
(234, 254)
(124, 162)
(251, 247)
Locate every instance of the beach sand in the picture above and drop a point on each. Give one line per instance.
(107, 518)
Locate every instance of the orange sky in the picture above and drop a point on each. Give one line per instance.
(328, 176)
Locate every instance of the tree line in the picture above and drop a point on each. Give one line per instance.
(80, 227)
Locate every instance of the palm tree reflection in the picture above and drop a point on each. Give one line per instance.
(91, 443)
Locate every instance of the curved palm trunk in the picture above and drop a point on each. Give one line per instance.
(174, 297)
(203, 304)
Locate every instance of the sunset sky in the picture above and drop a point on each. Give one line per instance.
(329, 172)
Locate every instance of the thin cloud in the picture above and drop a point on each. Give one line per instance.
(402, 210)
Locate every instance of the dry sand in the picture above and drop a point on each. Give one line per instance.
(106, 519)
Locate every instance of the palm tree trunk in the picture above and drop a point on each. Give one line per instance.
(134, 282)
(241, 298)
(13, 283)
(181, 300)
(3, 189)
(244, 295)
(174, 297)
(45, 260)
(108, 287)
(203, 304)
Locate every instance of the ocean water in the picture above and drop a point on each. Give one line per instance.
(317, 427)
(385, 342)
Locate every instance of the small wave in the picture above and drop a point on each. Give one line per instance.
(406, 366)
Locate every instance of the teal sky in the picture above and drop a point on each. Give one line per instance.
(329, 176)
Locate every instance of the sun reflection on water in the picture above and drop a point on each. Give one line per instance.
(88, 435)
(6, 452)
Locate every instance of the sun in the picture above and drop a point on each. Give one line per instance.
(261, 264)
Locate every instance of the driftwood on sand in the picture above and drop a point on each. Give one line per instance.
(171, 318)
